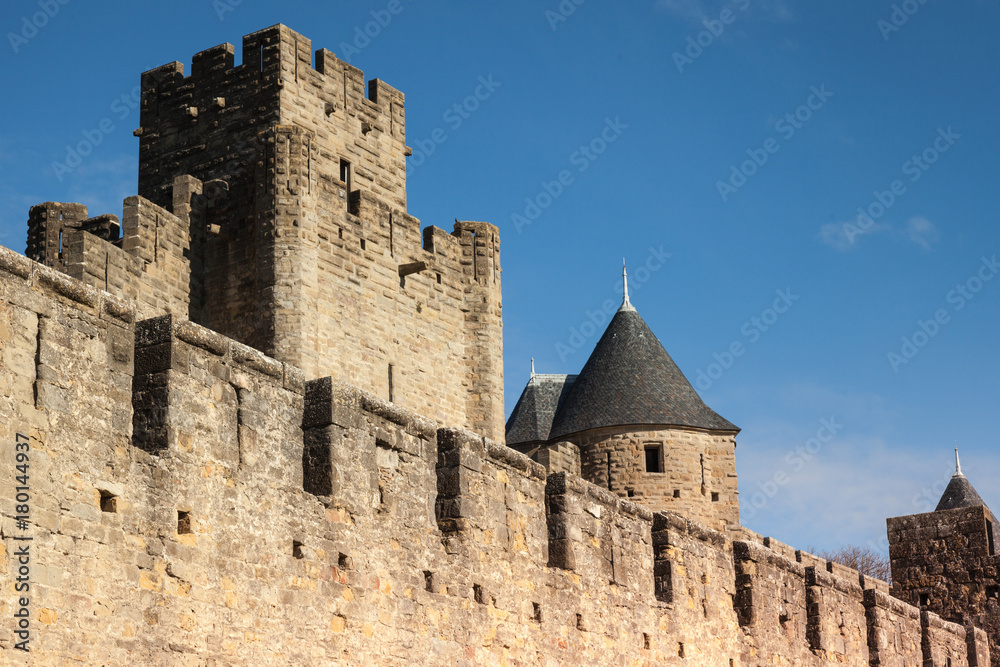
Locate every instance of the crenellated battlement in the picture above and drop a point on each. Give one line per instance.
(237, 483)
(227, 107)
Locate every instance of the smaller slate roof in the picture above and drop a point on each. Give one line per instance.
(531, 419)
(959, 494)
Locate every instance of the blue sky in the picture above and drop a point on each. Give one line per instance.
(723, 148)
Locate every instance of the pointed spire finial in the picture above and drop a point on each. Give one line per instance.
(958, 464)
(626, 304)
(532, 367)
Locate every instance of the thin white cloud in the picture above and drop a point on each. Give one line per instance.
(700, 10)
(844, 236)
(921, 231)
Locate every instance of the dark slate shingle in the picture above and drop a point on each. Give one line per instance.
(531, 419)
(630, 379)
(959, 494)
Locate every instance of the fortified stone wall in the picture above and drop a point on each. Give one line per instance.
(698, 477)
(196, 502)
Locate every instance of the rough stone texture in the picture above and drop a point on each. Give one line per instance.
(262, 519)
(945, 561)
(698, 478)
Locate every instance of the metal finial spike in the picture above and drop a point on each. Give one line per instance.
(958, 464)
(532, 367)
(626, 304)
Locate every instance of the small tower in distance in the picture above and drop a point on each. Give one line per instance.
(945, 561)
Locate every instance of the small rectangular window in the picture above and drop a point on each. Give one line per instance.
(653, 459)
(989, 538)
(109, 502)
(184, 523)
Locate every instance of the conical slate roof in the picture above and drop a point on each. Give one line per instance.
(630, 379)
(531, 419)
(959, 494)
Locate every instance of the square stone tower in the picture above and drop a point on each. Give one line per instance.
(946, 562)
(281, 183)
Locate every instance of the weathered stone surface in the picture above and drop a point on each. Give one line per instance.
(198, 496)
(195, 530)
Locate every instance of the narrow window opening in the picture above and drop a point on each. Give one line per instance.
(362, 244)
(297, 549)
(646, 641)
(609, 471)
(677, 493)
(345, 174)
(536, 612)
(392, 393)
(184, 523)
(653, 459)
(392, 247)
(680, 649)
(715, 496)
(262, 56)
(477, 592)
(439, 278)
(630, 493)
(109, 502)
(579, 621)
(344, 562)
(60, 243)
(428, 581)
(340, 232)
(989, 537)
(992, 592)
(925, 599)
